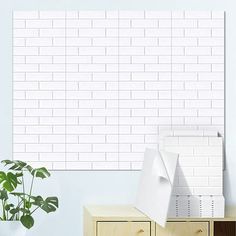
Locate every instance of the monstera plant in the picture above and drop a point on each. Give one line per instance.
(17, 202)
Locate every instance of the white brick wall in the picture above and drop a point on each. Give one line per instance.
(200, 166)
(198, 186)
(82, 76)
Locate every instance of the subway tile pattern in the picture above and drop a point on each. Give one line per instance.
(200, 165)
(93, 89)
(198, 186)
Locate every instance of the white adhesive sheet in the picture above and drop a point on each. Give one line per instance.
(156, 183)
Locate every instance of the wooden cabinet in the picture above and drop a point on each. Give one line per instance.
(123, 228)
(116, 221)
(224, 228)
(183, 229)
(128, 221)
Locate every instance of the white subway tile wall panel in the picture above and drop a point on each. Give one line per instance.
(198, 186)
(93, 89)
(200, 165)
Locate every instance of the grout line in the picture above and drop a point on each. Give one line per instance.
(13, 100)
(65, 90)
(118, 79)
(171, 83)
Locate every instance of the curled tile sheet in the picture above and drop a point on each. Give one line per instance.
(156, 183)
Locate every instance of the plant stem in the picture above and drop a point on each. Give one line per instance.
(31, 187)
(34, 210)
(19, 203)
(18, 199)
(23, 186)
(3, 210)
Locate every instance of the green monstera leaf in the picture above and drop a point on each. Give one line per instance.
(14, 210)
(37, 201)
(14, 185)
(40, 173)
(3, 194)
(50, 204)
(8, 180)
(8, 207)
(15, 165)
(27, 221)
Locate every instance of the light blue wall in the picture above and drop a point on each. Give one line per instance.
(77, 188)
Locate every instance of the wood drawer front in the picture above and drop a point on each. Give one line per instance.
(224, 228)
(183, 229)
(123, 228)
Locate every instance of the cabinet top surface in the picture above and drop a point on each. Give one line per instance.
(119, 212)
(115, 211)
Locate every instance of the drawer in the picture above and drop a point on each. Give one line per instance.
(123, 228)
(183, 229)
(224, 228)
